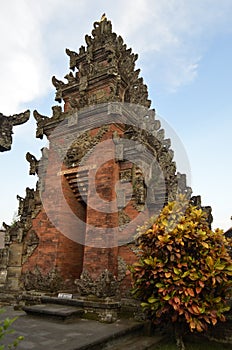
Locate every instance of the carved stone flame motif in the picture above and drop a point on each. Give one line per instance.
(6, 126)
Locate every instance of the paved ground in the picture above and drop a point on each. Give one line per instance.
(41, 333)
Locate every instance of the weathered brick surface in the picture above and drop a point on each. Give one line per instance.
(126, 253)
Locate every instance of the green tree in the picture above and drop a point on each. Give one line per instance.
(183, 274)
(5, 329)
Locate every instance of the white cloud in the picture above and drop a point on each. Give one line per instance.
(23, 62)
(168, 36)
(171, 36)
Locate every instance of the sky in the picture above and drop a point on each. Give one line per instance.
(185, 55)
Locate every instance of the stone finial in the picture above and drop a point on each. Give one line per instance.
(103, 17)
(41, 121)
(34, 163)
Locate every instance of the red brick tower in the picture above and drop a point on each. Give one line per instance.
(107, 169)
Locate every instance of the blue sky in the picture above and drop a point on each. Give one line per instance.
(185, 56)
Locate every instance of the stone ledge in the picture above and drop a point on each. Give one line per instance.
(60, 312)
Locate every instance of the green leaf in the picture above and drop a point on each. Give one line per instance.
(229, 268)
(159, 285)
(220, 267)
(209, 261)
(149, 261)
(185, 274)
(143, 305)
(217, 300)
(176, 271)
(152, 300)
(194, 276)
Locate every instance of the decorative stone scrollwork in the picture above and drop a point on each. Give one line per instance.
(34, 163)
(27, 204)
(122, 268)
(37, 280)
(106, 285)
(30, 246)
(82, 145)
(123, 220)
(139, 187)
(41, 122)
(71, 78)
(58, 85)
(73, 56)
(125, 175)
(6, 126)
(85, 285)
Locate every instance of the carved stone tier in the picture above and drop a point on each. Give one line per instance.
(104, 71)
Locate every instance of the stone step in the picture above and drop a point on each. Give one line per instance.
(132, 337)
(55, 311)
(101, 310)
(138, 342)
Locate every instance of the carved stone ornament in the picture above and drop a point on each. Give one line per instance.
(14, 232)
(42, 121)
(30, 245)
(106, 285)
(125, 175)
(36, 280)
(27, 204)
(34, 163)
(6, 126)
(80, 147)
(122, 268)
(123, 220)
(139, 187)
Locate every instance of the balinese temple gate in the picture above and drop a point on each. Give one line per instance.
(107, 169)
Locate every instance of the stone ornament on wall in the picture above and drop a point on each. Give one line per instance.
(30, 245)
(106, 285)
(34, 163)
(82, 145)
(37, 280)
(123, 220)
(6, 128)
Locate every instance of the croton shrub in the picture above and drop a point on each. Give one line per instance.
(184, 272)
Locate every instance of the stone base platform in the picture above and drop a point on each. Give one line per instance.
(104, 310)
(56, 311)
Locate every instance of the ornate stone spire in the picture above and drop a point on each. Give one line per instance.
(103, 71)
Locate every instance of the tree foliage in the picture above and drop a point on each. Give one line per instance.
(6, 329)
(184, 272)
